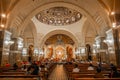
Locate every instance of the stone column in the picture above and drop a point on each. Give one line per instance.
(111, 54)
(101, 49)
(5, 42)
(117, 45)
(13, 51)
(16, 50)
(1, 45)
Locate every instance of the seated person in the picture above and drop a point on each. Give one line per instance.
(42, 66)
(34, 70)
(114, 73)
(15, 66)
(46, 66)
(29, 70)
(76, 69)
(90, 67)
(7, 65)
(99, 74)
(24, 67)
(112, 65)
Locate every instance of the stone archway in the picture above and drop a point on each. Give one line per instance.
(59, 31)
(59, 47)
(45, 6)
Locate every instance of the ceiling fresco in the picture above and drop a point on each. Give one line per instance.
(59, 39)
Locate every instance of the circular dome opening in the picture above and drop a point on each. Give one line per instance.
(59, 16)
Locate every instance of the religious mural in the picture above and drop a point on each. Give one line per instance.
(59, 39)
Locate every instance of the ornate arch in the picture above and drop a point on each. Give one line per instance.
(58, 31)
(54, 4)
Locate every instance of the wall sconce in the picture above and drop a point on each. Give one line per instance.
(8, 42)
(77, 52)
(113, 24)
(96, 46)
(108, 41)
(11, 42)
(20, 45)
(36, 51)
(83, 50)
(94, 51)
(112, 13)
(24, 51)
(2, 25)
(41, 52)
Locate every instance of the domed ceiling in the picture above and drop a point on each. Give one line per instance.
(59, 16)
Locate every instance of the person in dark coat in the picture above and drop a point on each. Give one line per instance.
(98, 74)
(114, 73)
(35, 70)
(15, 66)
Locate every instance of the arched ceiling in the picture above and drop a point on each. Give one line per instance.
(22, 10)
(12, 5)
(71, 36)
(29, 34)
(94, 12)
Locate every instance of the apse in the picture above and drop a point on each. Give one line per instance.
(59, 47)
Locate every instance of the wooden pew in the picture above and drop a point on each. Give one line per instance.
(90, 72)
(13, 73)
(23, 77)
(96, 79)
(18, 78)
(77, 75)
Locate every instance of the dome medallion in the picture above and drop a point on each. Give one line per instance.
(58, 16)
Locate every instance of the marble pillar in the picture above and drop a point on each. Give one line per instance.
(117, 45)
(5, 42)
(1, 45)
(101, 49)
(16, 51)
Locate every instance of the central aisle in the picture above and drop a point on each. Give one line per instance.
(58, 73)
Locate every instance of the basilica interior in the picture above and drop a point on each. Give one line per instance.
(59, 31)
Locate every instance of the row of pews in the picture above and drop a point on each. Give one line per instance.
(85, 74)
(10, 74)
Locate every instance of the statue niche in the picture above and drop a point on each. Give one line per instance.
(89, 52)
(30, 53)
(69, 51)
(50, 52)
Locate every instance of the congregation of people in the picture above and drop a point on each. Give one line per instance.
(40, 68)
(71, 67)
(91, 69)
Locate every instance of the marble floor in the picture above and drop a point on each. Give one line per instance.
(58, 73)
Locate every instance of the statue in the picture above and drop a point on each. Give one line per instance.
(89, 52)
(69, 53)
(50, 53)
(30, 53)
